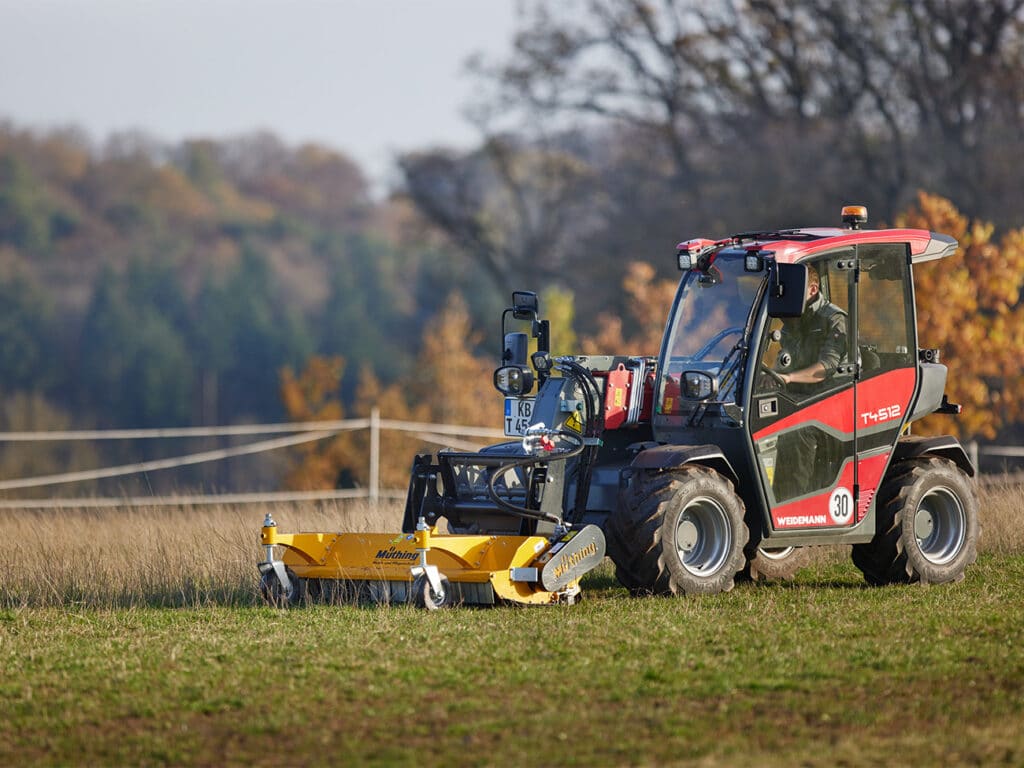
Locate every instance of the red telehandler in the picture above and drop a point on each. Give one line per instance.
(776, 417)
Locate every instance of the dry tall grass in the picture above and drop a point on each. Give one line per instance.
(207, 555)
(1002, 518)
(162, 556)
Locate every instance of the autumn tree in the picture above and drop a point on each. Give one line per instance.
(685, 118)
(313, 395)
(448, 384)
(397, 448)
(970, 307)
(450, 377)
(649, 301)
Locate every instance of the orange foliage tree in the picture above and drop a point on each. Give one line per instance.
(312, 395)
(450, 384)
(456, 384)
(650, 301)
(969, 306)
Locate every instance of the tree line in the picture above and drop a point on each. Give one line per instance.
(143, 284)
(146, 285)
(616, 128)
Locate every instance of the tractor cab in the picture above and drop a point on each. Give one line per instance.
(795, 353)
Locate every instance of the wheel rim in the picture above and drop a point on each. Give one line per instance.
(427, 597)
(274, 591)
(940, 525)
(775, 553)
(703, 536)
(437, 597)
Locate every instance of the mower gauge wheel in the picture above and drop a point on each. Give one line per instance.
(424, 596)
(275, 593)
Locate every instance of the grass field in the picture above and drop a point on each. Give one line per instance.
(133, 638)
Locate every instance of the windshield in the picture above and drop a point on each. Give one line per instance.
(708, 319)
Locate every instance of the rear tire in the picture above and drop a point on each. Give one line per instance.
(776, 563)
(928, 526)
(679, 532)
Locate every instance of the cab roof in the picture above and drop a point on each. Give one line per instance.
(792, 245)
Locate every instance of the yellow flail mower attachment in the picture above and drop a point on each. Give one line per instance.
(426, 568)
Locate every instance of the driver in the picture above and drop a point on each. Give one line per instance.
(814, 344)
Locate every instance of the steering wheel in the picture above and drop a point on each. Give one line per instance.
(715, 341)
(777, 382)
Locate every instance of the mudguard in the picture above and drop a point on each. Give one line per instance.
(667, 457)
(944, 446)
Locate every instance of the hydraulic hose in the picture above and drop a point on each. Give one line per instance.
(593, 428)
(533, 514)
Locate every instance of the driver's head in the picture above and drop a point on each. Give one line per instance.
(813, 284)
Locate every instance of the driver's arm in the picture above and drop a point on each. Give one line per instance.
(831, 354)
(812, 374)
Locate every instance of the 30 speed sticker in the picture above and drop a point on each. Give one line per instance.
(840, 506)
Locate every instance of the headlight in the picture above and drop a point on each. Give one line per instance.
(513, 381)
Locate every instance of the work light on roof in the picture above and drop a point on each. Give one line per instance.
(755, 259)
(695, 254)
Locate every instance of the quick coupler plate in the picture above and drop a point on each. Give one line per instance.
(573, 555)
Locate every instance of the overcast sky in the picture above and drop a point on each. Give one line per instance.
(367, 77)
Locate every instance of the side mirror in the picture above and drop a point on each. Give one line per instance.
(698, 385)
(525, 305)
(787, 290)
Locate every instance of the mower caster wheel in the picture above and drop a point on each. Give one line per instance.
(274, 592)
(424, 596)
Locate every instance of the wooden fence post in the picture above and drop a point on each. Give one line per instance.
(374, 454)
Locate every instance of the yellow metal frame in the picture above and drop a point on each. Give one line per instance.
(389, 557)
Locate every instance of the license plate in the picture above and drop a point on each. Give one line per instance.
(518, 412)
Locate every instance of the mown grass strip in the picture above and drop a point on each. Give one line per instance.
(819, 672)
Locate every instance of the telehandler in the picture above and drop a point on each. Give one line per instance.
(775, 418)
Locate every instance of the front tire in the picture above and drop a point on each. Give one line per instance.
(928, 526)
(679, 532)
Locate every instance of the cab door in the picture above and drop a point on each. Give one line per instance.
(887, 348)
(805, 434)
